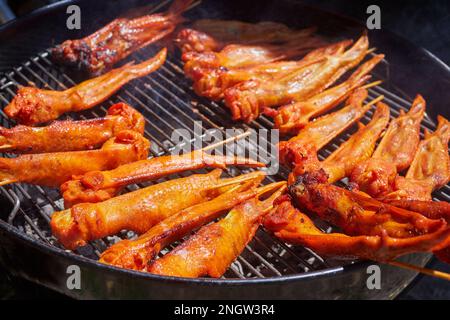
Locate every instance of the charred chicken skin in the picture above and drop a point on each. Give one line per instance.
(358, 214)
(100, 51)
(212, 83)
(214, 35)
(302, 149)
(376, 176)
(99, 186)
(53, 169)
(292, 117)
(138, 210)
(292, 226)
(62, 136)
(246, 100)
(32, 106)
(211, 250)
(137, 254)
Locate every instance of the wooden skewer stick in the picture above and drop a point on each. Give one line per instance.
(193, 5)
(269, 187)
(238, 179)
(429, 272)
(6, 147)
(275, 195)
(372, 84)
(377, 99)
(8, 181)
(235, 138)
(212, 146)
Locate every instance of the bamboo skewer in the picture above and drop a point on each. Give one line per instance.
(238, 179)
(372, 84)
(429, 272)
(374, 101)
(231, 139)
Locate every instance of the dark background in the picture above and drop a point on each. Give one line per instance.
(424, 23)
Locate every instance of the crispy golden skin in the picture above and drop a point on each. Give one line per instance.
(213, 35)
(246, 100)
(302, 149)
(376, 176)
(292, 226)
(98, 52)
(68, 135)
(358, 214)
(137, 211)
(53, 169)
(357, 148)
(137, 254)
(211, 250)
(212, 82)
(292, 117)
(32, 106)
(99, 186)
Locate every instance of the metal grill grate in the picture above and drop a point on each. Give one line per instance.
(167, 101)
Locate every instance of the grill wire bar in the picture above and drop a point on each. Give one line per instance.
(166, 100)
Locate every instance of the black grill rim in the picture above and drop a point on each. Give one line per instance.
(359, 265)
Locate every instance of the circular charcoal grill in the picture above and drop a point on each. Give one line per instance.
(267, 268)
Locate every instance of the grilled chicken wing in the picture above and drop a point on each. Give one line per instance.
(431, 162)
(376, 176)
(240, 56)
(292, 117)
(32, 106)
(62, 136)
(430, 168)
(191, 40)
(292, 226)
(211, 250)
(213, 35)
(402, 137)
(137, 254)
(246, 100)
(138, 210)
(212, 83)
(53, 169)
(98, 52)
(358, 214)
(99, 186)
(303, 148)
(430, 209)
(358, 147)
